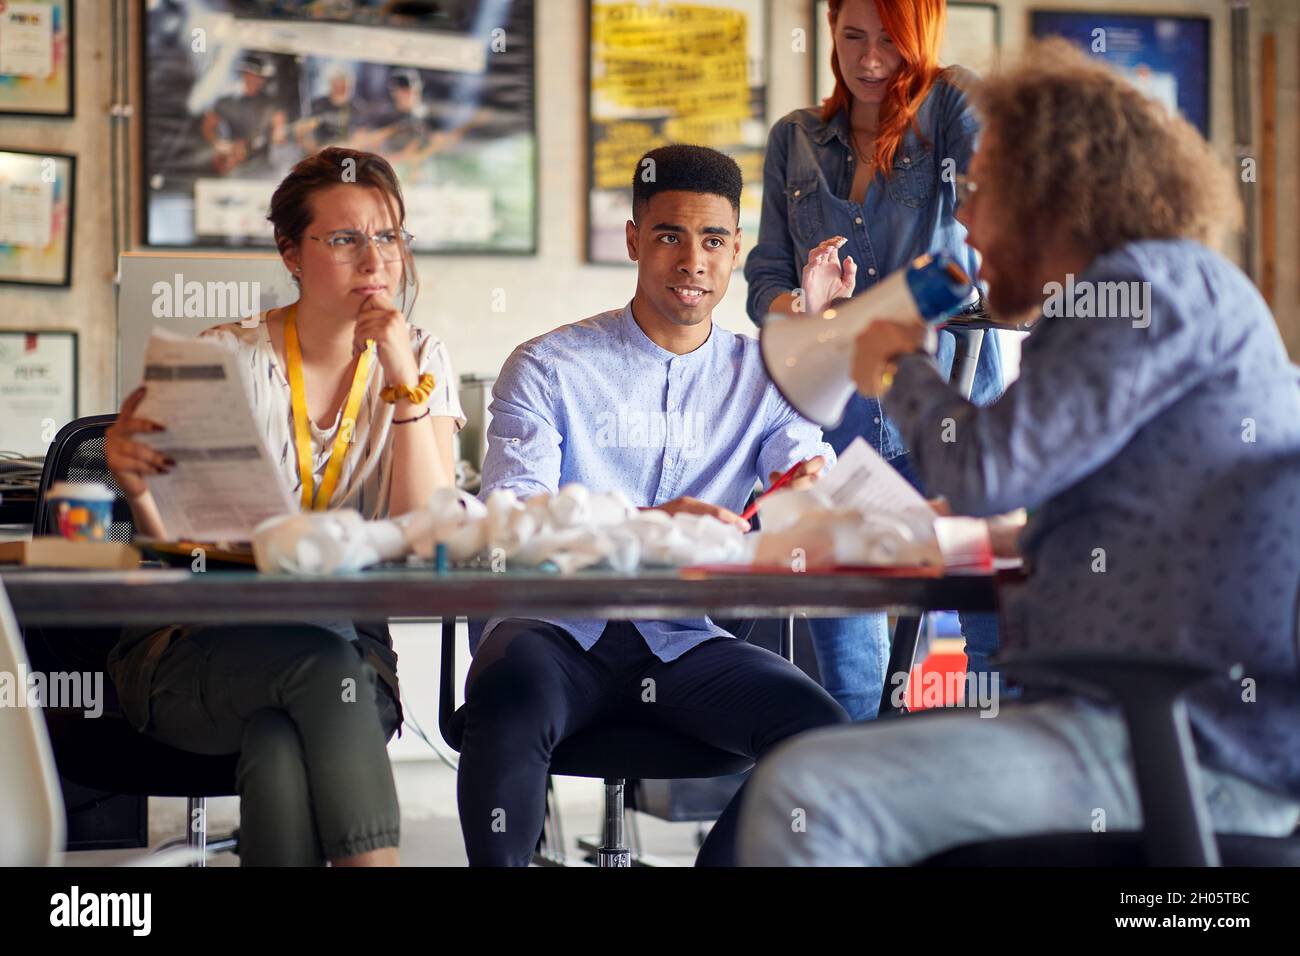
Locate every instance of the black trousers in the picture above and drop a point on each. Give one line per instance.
(532, 685)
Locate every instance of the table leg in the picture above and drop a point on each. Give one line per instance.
(902, 658)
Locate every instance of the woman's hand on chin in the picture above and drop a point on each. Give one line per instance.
(383, 322)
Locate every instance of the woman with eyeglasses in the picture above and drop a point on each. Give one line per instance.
(853, 190)
(358, 407)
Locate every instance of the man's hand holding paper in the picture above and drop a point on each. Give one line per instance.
(863, 512)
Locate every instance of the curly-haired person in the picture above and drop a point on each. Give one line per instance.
(1154, 434)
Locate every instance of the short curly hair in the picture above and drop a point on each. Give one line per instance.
(695, 169)
(1089, 153)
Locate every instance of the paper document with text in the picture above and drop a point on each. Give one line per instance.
(224, 483)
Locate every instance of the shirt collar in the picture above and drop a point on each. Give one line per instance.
(836, 127)
(636, 337)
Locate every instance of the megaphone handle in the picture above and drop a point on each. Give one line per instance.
(965, 360)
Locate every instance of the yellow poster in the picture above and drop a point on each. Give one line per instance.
(667, 72)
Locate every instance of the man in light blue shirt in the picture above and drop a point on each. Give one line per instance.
(657, 402)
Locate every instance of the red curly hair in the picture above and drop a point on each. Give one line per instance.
(916, 27)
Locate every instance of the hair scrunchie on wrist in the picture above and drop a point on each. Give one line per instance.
(416, 396)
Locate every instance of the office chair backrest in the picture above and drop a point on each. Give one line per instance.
(31, 805)
(77, 454)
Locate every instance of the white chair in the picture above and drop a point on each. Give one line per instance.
(31, 802)
(31, 821)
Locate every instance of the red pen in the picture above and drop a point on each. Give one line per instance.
(780, 482)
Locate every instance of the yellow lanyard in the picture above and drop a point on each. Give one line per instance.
(301, 428)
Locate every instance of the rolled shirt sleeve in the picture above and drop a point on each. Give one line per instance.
(790, 439)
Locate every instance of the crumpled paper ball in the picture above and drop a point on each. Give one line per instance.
(570, 530)
(804, 527)
(454, 518)
(674, 540)
(324, 542)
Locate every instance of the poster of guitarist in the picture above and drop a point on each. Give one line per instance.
(242, 128)
(407, 132)
(237, 91)
(330, 118)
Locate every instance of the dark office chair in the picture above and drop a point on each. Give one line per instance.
(77, 454)
(1150, 692)
(106, 753)
(613, 751)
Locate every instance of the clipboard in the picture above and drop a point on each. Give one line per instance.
(219, 556)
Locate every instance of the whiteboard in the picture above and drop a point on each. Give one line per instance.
(186, 293)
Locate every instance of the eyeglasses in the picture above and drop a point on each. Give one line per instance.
(349, 246)
(966, 189)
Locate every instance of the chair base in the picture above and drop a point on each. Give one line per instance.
(610, 850)
(196, 834)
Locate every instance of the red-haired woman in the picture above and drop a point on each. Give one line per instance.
(352, 425)
(852, 191)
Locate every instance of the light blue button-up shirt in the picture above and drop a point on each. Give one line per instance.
(599, 404)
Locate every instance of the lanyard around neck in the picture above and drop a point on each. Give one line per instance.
(301, 428)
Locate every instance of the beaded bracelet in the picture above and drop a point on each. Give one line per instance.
(406, 421)
(416, 396)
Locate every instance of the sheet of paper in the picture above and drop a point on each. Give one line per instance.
(231, 207)
(26, 40)
(224, 483)
(26, 213)
(862, 480)
(38, 379)
(964, 543)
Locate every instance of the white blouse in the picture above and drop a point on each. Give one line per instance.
(366, 478)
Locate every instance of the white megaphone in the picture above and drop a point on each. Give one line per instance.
(810, 357)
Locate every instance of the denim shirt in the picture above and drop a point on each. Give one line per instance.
(809, 167)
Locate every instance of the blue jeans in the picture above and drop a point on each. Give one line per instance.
(853, 652)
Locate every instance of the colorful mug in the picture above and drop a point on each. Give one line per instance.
(81, 510)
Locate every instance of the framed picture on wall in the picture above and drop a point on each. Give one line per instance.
(38, 388)
(972, 39)
(36, 57)
(670, 72)
(36, 206)
(237, 91)
(1168, 57)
